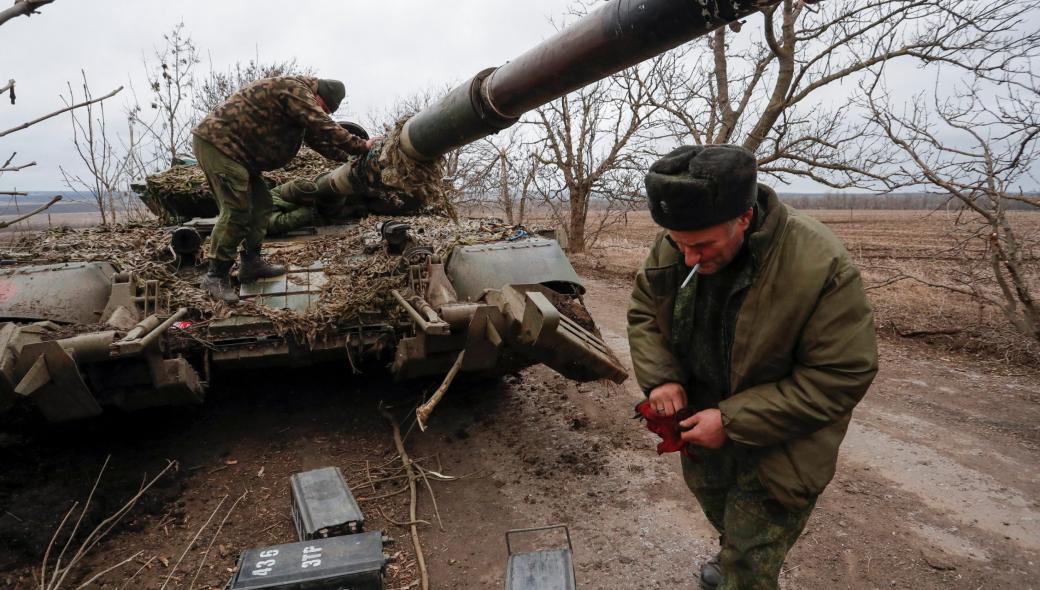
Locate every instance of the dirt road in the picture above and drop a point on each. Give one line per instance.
(938, 485)
(937, 488)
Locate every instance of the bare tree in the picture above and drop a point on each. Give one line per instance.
(503, 172)
(28, 8)
(977, 146)
(597, 141)
(106, 179)
(771, 88)
(218, 86)
(171, 82)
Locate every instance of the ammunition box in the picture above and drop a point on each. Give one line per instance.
(353, 561)
(322, 505)
(546, 569)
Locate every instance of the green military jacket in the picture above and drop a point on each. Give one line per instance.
(263, 125)
(804, 347)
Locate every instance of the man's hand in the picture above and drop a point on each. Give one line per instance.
(371, 142)
(704, 429)
(667, 399)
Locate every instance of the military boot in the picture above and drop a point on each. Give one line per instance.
(252, 266)
(217, 281)
(711, 573)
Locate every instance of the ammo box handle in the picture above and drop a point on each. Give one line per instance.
(566, 531)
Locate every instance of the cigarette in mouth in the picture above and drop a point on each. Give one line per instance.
(693, 271)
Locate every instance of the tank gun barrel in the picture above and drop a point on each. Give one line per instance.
(618, 35)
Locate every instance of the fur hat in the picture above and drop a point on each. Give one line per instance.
(698, 186)
(332, 92)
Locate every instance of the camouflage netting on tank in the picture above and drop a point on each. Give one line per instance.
(184, 189)
(181, 192)
(359, 282)
(421, 179)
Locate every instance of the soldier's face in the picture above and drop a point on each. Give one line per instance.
(712, 247)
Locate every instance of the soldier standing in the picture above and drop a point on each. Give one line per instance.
(770, 345)
(261, 127)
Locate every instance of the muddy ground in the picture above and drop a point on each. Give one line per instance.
(938, 485)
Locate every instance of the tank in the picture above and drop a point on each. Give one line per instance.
(382, 273)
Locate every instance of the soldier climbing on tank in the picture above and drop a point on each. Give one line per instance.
(261, 127)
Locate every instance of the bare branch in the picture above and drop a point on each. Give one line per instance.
(39, 209)
(60, 111)
(765, 93)
(9, 88)
(22, 8)
(7, 168)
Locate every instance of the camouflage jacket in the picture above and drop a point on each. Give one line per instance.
(262, 125)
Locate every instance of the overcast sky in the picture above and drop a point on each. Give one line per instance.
(382, 50)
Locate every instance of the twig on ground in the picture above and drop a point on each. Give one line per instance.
(381, 479)
(381, 496)
(424, 576)
(50, 545)
(187, 547)
(433, 497)
(399, 523)
(139, 570)
(108, 569)
(75, 528)
(99, 532)
(422, 413)
(214, 539)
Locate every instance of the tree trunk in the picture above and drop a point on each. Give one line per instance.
(578, 213)
(504, 196)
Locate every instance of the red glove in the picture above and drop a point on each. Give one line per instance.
(666, 427)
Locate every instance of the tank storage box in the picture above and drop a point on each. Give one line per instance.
(351, 561)
(545, 569)
(323, 506)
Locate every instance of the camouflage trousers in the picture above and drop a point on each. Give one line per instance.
(286, 217)
(756, 531)
(243, 199)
